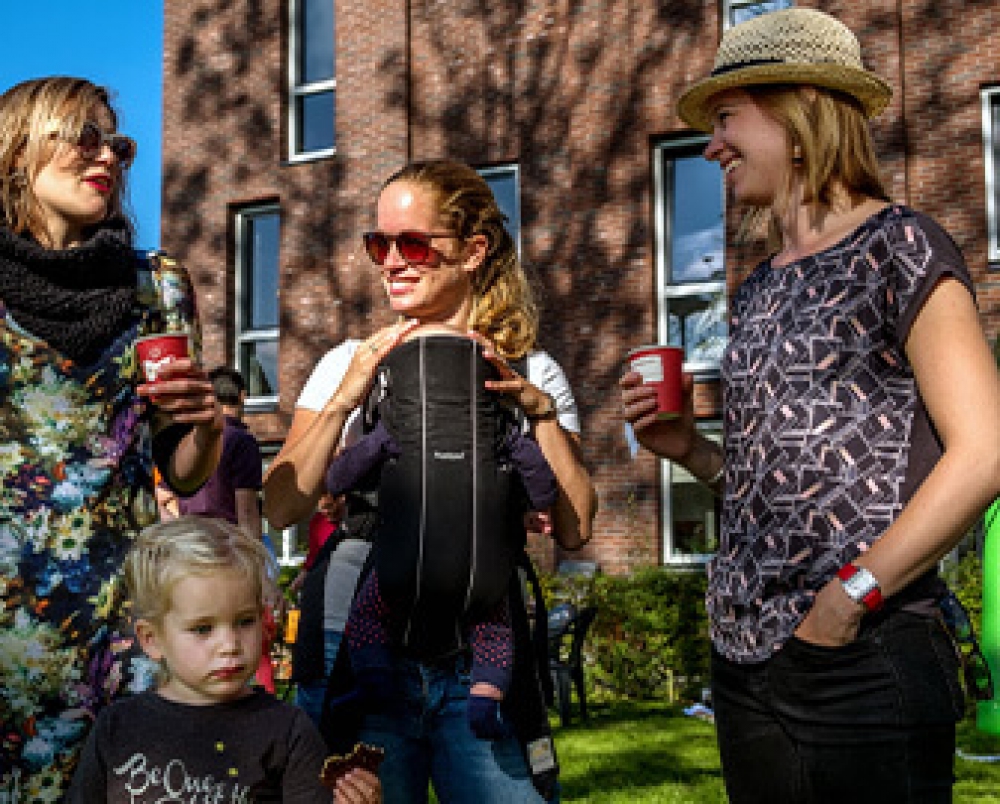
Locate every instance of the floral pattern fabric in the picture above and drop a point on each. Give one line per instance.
(75, 487)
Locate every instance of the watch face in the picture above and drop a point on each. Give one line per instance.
(860, 584)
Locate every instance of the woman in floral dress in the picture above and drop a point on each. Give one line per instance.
(78, 429)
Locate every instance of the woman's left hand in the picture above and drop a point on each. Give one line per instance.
(527, 396)
(358, 787)
(183, 394)
(833, 620)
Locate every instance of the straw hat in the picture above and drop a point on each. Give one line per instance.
(793, 46)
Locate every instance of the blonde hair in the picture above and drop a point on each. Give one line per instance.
(503, 305)
(830, 130)
(167, 552)
(27, 113)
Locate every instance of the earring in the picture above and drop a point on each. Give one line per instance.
(797, 155)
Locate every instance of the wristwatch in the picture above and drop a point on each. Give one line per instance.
(548, 410)
(861, 586)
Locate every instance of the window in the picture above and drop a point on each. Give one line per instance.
(691, 512)
(690, 266)
(286, 543)
(505, 183)
(736, 11)
(691, 279)
(991, 145)
(312, 81)
(258, 234)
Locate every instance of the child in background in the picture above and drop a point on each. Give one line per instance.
(197, 587)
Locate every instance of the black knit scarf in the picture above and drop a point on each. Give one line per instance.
(77, 300)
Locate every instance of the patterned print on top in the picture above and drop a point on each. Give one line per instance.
(75, 486)
(820, 408)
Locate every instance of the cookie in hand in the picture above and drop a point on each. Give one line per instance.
(364, 756)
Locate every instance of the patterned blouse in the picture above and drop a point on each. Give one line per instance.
(75, 486)
(826, 436)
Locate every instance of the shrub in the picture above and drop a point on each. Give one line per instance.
(650, 638)
(965, 578)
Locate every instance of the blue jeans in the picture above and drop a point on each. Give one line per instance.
(309, 695)
(872, 721)
(427, 739)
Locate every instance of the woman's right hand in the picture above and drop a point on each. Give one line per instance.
(673, 438)
(360, 373)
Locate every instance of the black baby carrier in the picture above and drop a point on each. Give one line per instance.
(450, 533)
(450, 513)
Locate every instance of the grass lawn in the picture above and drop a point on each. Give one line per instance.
(643, 752)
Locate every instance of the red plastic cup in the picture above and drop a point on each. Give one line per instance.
(661, 366)
(156, 351)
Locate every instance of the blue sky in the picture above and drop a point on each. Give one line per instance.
(117, 43)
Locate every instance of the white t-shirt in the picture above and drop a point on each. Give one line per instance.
(543, 372)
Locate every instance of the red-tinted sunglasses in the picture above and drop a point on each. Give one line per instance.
(90, 139)
(414, 247)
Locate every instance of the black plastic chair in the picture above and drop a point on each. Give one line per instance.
(567, 631)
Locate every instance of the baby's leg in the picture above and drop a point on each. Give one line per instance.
(492, 642)
(367, 638)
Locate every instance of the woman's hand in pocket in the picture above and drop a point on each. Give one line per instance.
(833, 620)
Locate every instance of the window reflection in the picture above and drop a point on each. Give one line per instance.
(993, 181)
(694, 515)
(741, 12)
(259, 366)
(316, 121)
(503, 181)
(258, 244)
(318, 38)
(692, 253)
(698, 323)
(260, 292)
(696, 248)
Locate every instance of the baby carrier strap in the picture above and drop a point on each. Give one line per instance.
(530, 695)
(450, 510)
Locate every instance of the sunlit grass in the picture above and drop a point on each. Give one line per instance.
(636, 752)
(646, 753)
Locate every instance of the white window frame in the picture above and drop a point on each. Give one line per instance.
(730, 7)
(665, 290)
(297, 90)
(515, 169)
(671, 557)
(990, 98)
(288, 552)
(241, 332)
(702, 369)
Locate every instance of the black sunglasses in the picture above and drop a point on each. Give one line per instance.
(414, 247)
(975, 670)
(90, 139)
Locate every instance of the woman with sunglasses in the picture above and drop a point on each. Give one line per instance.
(862, 437)
(78, 430)
(444, 257)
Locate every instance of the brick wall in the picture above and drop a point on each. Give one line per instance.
(576, 94)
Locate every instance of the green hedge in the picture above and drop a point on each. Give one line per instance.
(650, 638)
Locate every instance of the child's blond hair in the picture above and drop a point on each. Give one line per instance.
(167, 552)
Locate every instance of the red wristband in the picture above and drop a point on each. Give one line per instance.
(861, 586)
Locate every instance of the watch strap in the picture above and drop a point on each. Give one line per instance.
(548, 411)
(861, 586)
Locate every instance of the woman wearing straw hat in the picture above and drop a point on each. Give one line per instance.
(862, 424)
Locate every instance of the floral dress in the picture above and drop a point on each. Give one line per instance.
(75, 486)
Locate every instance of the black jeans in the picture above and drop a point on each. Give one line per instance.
(873, 721)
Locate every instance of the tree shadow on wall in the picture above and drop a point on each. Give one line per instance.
(575, 93)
